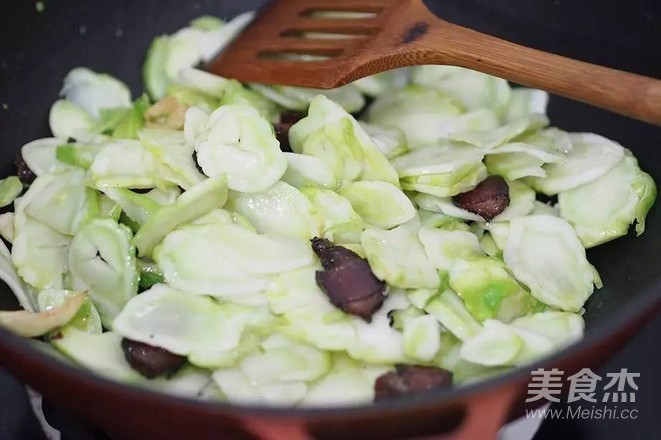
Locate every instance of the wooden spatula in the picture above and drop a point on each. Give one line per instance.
(397, 33)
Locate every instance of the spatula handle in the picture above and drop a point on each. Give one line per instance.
(632, 95)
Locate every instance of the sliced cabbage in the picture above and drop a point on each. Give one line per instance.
(514, 166)
(280, 210)
(184, 324)
(391, 142)
(77, 155)
(100, 353)
(226, 260)
(189, 381)
(93, 91)
(297, 289)
(561, 327)
(330, 146)
(442, 158)
(422, 338)
(383, 82)
(332, 330)
(496, 344)
(236, 93)
(603, 209)
(489, 246)
(10, 277)
(442, 170)
(170, 149)
(449, 184)
(348, 383)
(40, 156)
(591, 157)
(419, 298)
(150, 274)
(123, 163)
(139, 207)
(102, 262)
(300, 98)
(61, 201)
(432, 219)
(153, 71)
(444, 247)
(224, 217)
(500, 231)
(284, 360)
(208, 86)
(523, 340)
(31, 325)
(309, 315)
(524, 101)
(236, 140)
(165, 195)
(7, 226)
(171, 59)
(473, 89)
(489, 291)
(423, 115)
(168, 112)
(492, 138)
(481, 120)
(132, 120)
(526, 156)
(10, 188)
(380, 204)
(376, 342)
(545, 254)
(39, 252)
(304, 170)
(545, 208)
(398, 258)
(199, 200)
(236, 387)
(339, 221)
(207, 23)
(482, 282)
(451, 312)
(333, 135)
(522, 202)
(68, 120)
(87, 318)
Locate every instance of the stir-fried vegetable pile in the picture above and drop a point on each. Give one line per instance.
(259, 244)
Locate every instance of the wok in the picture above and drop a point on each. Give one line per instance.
(36, 51)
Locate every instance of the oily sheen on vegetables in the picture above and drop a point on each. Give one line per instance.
(259, 244)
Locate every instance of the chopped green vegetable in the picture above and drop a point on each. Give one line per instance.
(10, 188)
(630, 193)
(150, 274)
(199, 200)
(397, 256)
(102, 261)
(544, 253)
(380, 204)
(425, 116)
(237, 141)
(591, 157)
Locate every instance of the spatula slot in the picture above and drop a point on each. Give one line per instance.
(343, 27)
(299, 33)
(295, 55)
(348, 13)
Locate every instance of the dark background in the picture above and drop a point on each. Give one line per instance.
(39, 49)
